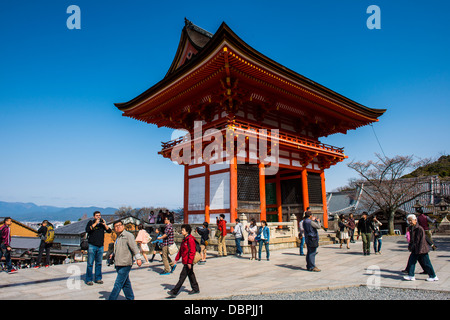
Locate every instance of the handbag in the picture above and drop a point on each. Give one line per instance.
(173, 249)
(251, 237)
(197, 257)
(218, 233)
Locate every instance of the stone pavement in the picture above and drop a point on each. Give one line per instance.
(226, 276)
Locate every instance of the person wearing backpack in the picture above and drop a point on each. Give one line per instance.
(187, 251)
(47, 234)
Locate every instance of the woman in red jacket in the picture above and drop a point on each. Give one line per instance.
(187, 254)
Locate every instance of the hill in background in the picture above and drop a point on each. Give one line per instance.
(31, 212)
(441, 167)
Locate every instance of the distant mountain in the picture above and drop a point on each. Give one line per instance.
(441, 167)
(31, 212)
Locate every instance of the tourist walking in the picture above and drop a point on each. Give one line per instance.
(311, 224)
(142, 240)
(377, 237)
(301, 235)
(125, 249)
(238, 237)
(95, 230)
(44, 232)
(167, 239)
(187, 255)
(264, 239)
(5, 244)
(203, 231)
(157, 244)
(222, 229)
(351, 227)
(252, 232)
(419, 249)
(423, 221)
(343, 231)
(365, 231)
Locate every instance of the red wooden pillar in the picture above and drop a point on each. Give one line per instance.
(207, 190)
(324, 200)
(233, 189)
(262, 190)
(305, 189)
(186, 194)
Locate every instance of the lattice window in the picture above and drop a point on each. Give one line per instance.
(314, 188)
(248, 183)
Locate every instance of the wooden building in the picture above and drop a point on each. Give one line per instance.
(223, 92)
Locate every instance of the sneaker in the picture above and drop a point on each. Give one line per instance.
(409, 278)
(315, 269)
(173, 268)
(99, 281)
(36, 267)
(164, 273)
(90, 283)
(12, 271)
(433, 279)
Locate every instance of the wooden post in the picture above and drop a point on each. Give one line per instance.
(233, 189)
(207, 188)
(324, 201)
(305, 189)
(262, 190)
(186, 194)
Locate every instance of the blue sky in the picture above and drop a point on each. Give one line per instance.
(63, 142)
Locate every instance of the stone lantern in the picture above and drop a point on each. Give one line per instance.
(444, 226)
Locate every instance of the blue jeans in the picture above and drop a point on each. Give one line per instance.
(7, 254)
(266, 244)
(122, 283)
(424, 261)
(238, 246)
(311, 257)
(377, 244)
(95, 254)
(302, 244)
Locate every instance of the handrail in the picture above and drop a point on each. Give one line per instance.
(283, 136)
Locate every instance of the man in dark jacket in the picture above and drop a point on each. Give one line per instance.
(419, 251)
(365, 229)
(95, 229)
(311, 224)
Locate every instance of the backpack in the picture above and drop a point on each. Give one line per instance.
(50, 234)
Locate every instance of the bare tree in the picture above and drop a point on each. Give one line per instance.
(125, 211)
(384, 187)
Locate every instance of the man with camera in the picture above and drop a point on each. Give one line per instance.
(95, 229)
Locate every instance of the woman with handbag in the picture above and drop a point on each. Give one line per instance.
(343, 231)
(142, 240)
(376, 235)
(252, 231)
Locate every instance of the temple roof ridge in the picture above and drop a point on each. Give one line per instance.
(189, 24)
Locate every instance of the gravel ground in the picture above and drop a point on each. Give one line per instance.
(351, 293)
